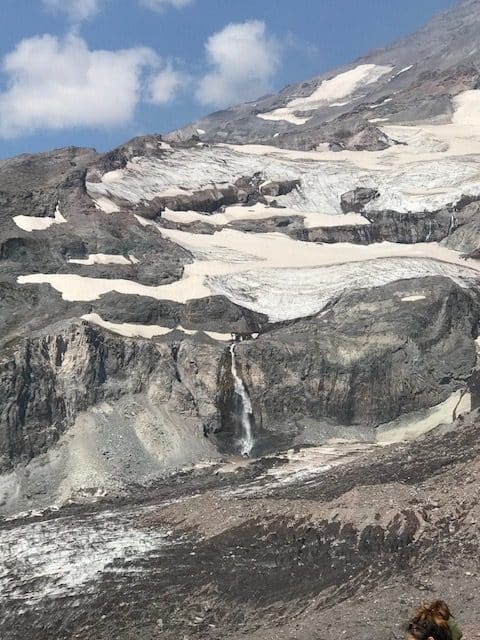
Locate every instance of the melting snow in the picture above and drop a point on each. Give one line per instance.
(148, 331)
(329, 93)
(273, 274)
(413, 298)
(38, 223)
(102, 258)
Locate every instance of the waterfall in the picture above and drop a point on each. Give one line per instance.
(453, 224)
(247, 439)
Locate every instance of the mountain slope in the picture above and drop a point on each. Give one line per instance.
(414, 80)
(341, 254)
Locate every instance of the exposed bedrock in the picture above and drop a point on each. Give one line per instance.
(466, 235)
(157, 260)
(357, 199)
(213, 313)
(456, 226)
(370, 358)
(47, 380)
(33, 185)
(151, 146)
(390, 226)
(248, 190)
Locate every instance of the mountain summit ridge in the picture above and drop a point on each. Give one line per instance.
(436, 52)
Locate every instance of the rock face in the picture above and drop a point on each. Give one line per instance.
(163, 302)
(357, 199)
(361, 363)
(48, 380)
(32, 187)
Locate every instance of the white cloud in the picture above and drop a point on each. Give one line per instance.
(164, 86)
(58, 83)
(159, 5)
(244, 60)
(77, 10)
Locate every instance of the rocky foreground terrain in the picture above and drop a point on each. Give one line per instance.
(296, 275)
(316, 544)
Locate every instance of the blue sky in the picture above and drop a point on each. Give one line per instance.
(97, 72)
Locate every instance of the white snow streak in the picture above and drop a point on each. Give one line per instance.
(329, 93)
(38, 223)
(273, 274)
(148, 331)
(102, 258)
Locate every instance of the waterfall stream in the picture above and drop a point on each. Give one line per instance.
(453, 224)
(247, 439)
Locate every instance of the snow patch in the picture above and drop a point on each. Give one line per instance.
(262, 212)
(404, 70)
(102, 258)
(148, 331)
(38, 223)
(104, 204)
(283, 114)
(376, 106)
(467, 109)
(127, 330)
(413, 298)
(329, 93)
(411, 426)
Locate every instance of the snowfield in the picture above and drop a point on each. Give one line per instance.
(435, 166)
(273, 274)
(329, 93)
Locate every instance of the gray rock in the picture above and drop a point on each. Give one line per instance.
(357, 199)
(49, 379)
(363, 363)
